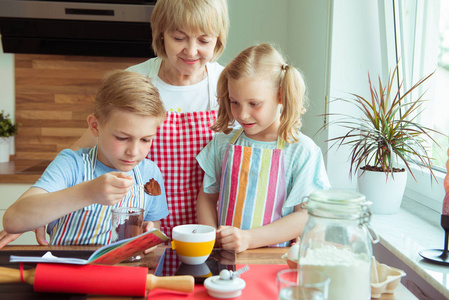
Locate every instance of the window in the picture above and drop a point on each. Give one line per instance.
(417, 35)
(442, 87)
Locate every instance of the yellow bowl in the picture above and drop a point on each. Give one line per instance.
(193, 243)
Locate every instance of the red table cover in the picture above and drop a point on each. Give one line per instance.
(260, 284)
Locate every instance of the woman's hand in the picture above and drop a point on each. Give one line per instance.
(233, 238)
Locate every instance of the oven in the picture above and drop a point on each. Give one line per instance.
(118, 28)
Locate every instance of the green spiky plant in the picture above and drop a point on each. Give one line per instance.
(387, 128)
(7, 128)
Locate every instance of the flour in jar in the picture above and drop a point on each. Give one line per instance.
(349, 272)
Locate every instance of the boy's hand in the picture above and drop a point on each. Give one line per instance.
(233, 238)
(6, 238)
(110, 188)
(40, 236)
(147, 226)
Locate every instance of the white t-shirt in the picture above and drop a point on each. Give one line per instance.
(189, 98)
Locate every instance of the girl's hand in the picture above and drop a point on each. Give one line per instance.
(233, 238)
(110, 188)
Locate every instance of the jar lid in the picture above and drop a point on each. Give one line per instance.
(224, 288)
(337, 204)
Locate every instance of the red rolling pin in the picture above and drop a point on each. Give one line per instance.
(95, 279)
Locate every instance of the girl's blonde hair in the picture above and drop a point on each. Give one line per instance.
(208, 16)
(264, 61)
(128, 91)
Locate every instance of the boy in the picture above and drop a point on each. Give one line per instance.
(77, 191)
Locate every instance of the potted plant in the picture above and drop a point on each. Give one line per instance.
(385, 132)
(7, 130)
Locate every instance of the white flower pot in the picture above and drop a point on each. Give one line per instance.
(385, 195)
(4, 149)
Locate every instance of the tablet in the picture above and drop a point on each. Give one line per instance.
(220, 259)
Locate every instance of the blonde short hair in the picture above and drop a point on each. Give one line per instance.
(264, 61)
(208, 16)
(128, 91)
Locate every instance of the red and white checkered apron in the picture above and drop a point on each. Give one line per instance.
(178, 141)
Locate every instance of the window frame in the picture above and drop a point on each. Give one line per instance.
(423, 190)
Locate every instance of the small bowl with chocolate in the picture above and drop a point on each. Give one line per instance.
(127, 222)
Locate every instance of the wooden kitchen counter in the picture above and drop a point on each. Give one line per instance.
(22, 171)
(254, 256)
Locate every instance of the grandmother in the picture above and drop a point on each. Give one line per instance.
(188, 38)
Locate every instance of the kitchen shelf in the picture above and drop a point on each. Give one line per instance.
(22, 171)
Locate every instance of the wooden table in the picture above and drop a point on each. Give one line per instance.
(255, 256)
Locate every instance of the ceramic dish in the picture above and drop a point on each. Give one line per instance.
(222, 288)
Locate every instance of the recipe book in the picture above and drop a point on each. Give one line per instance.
(107, 255)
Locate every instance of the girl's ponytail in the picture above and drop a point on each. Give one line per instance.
(293, 97)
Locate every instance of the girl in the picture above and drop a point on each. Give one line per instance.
(256, 176)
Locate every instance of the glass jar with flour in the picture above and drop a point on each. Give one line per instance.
(337, 241)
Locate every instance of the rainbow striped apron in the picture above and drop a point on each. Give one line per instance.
(92, 224)
(253, 187)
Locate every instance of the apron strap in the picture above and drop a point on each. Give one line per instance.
(140, 183)
(90, 162)
(280, 141)
(154, 71)
(210, 88)
(236, 136)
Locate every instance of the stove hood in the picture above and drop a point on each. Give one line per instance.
(118, 28)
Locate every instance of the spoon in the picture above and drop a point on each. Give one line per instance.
(228, 274)
(155, 186)
(144, 189)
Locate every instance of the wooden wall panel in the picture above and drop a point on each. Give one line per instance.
(54, 96)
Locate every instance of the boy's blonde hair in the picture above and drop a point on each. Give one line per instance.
(208, 16)
(264, 61)
(128, 91)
